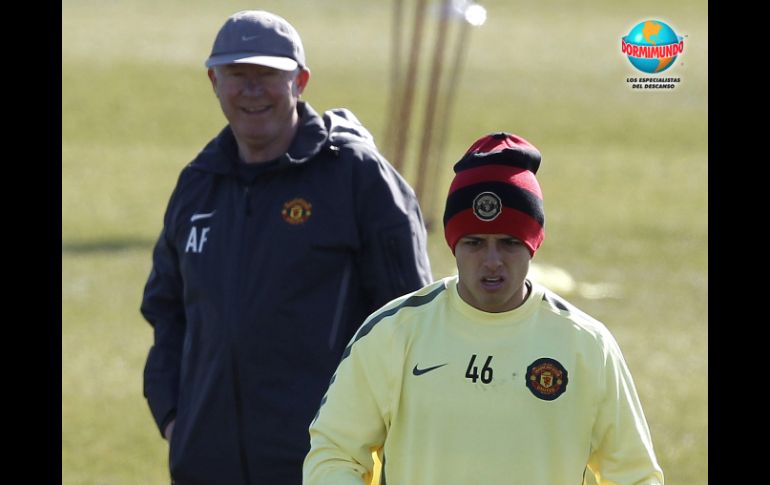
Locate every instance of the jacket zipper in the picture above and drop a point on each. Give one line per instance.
(246, 200)
(239, 420)
(234, 353)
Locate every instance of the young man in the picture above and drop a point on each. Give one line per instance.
(281, 236)
(485, 377)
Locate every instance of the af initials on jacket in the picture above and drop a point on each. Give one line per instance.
(195, 242)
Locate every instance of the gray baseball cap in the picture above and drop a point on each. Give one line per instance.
(257, 37)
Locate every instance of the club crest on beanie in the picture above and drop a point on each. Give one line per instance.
(495, 191)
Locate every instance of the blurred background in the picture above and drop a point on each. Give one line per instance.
(624, 177)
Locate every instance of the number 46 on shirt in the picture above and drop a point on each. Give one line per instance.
(472, 372)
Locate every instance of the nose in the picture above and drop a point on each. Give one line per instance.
(252, 86)
(492, 258)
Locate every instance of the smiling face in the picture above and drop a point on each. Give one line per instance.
(260, 103)
(492, 269)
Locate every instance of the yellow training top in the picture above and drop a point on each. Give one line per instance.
(539, 395)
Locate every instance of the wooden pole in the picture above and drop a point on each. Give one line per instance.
(405, 113)
(445, 118)
(396, 45)
(427, 157)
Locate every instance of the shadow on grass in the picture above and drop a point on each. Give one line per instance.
(105, 246)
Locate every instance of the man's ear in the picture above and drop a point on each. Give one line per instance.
(213, 79)
(301, 80)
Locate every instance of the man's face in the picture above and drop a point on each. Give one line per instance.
(259, 102)
(492, 269)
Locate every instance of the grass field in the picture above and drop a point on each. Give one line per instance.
(624, 177)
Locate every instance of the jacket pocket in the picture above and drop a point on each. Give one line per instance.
(339, 308)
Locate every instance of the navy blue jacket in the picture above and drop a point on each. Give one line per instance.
(260, 277)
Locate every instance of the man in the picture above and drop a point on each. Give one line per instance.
(281, 236)
(485, 377)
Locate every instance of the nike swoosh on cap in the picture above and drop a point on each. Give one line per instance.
(419, 372)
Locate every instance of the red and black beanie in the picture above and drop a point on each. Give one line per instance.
(495, 192)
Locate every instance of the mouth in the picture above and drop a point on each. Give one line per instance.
(255, 110)
(492, 283)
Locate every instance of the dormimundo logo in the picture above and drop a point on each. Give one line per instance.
(652, 46)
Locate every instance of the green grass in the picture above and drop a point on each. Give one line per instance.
(624, 176)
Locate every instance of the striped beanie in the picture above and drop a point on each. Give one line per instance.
(495, 192)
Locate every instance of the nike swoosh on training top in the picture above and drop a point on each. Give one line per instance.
(195, 217)
(419, 372)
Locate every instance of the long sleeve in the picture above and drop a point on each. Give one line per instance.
(356, 412)
(162, 306)
(621, 446)
(394, 260)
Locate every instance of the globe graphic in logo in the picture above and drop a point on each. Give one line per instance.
(652, 46)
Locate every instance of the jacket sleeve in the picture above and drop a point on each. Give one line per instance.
(162, 306)
(355, 413)
(621, 446)
(394, 258)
